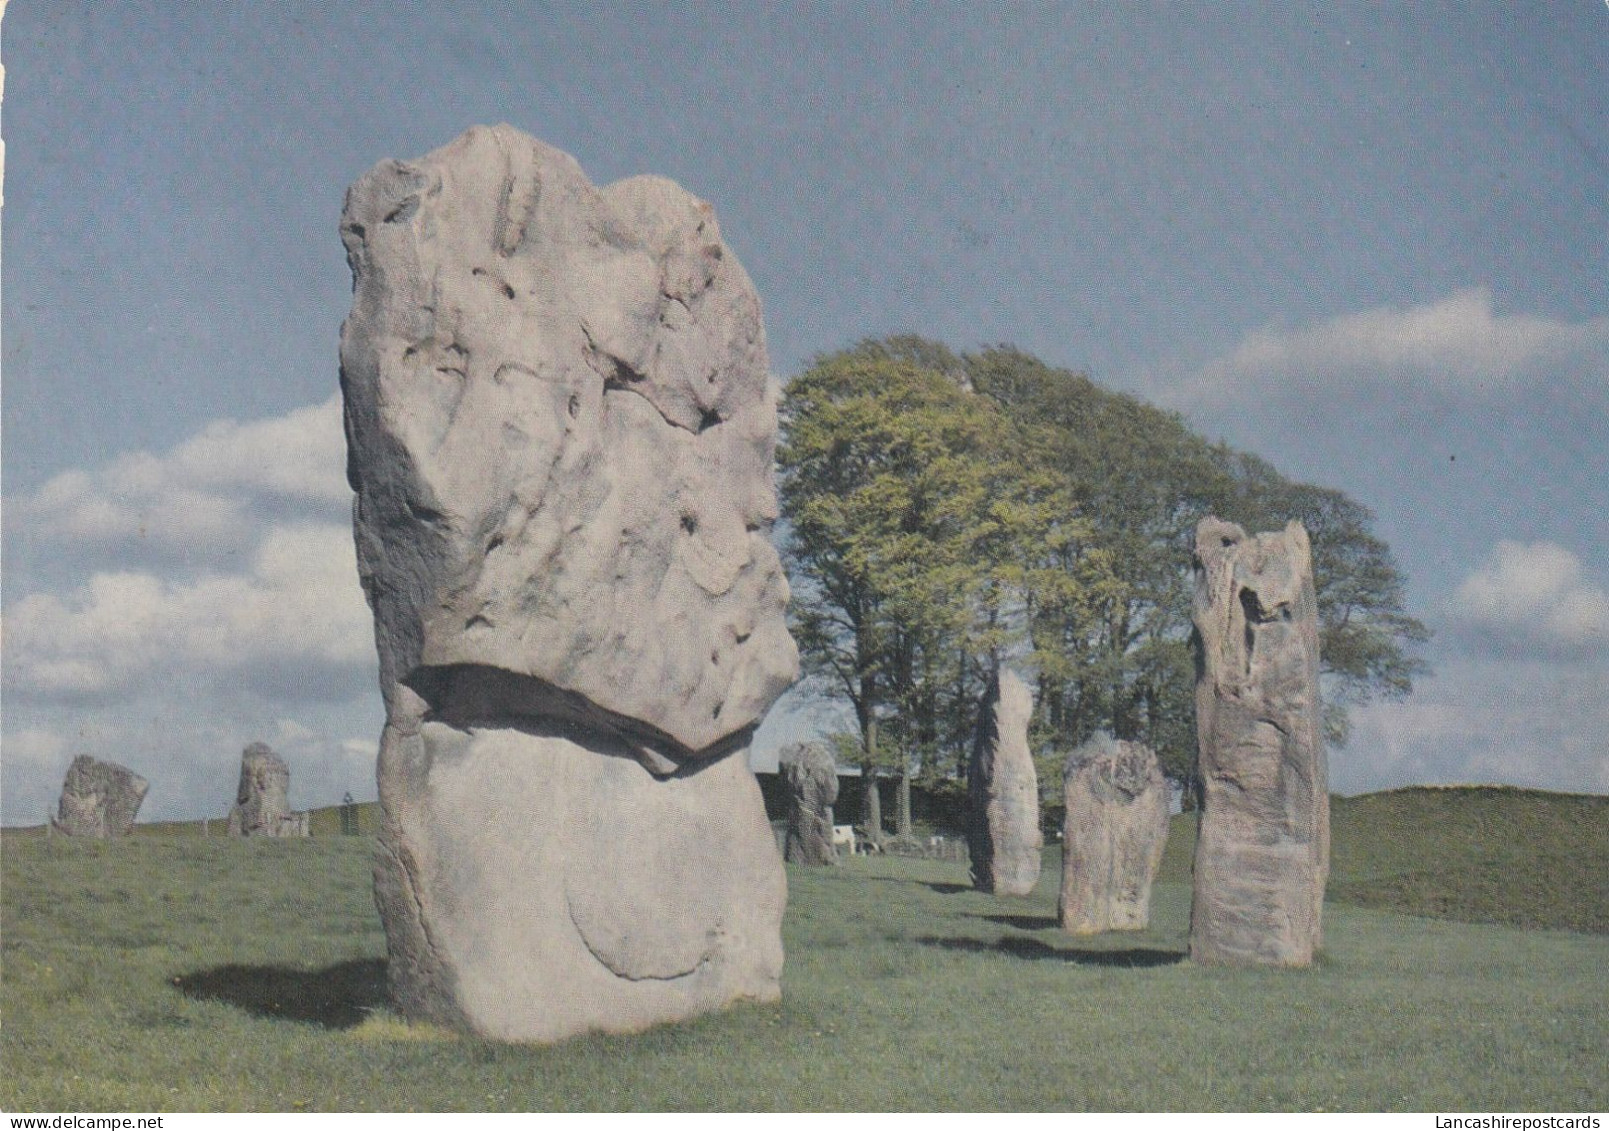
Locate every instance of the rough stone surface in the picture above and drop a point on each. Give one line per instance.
(262, 801)
(1113, 835)
(1262, 856)
(812, 777)
(561, 426)
(1003, 835)
(561, 430)
(99, 799)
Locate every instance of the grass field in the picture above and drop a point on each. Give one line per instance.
(1480, 854)
(181, 973)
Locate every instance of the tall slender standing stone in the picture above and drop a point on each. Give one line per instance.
(812, 776)
(1262, 856)
(1003, 835)
(99, 799)
(1113, 835)
(561, 426)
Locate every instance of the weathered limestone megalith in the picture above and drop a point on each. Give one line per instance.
(812, 776)
(98, 799)
(1113, 835)
(561, 425)
(1262, 856)
(1003, 833)
(262, 801)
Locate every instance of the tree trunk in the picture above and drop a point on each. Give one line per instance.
(902, 803)
(872, 809)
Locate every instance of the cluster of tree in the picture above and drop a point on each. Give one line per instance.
(947, 512)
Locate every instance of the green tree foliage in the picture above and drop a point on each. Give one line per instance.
(913, 546)
(945, 511)
(1142, 480)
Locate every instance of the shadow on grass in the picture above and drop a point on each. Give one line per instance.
(942, 889)
(1133, 958)
(336, 997)
(1023, 922)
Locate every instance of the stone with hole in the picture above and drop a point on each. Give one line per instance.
(1262, 856)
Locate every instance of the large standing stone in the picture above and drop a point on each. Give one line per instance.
(1263, 852)
(99, 799)
(812, 776)
(262, 802)
(1003, 833)
(561, 427)
(1113, 835)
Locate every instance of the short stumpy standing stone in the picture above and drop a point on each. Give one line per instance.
(98, 799)
(1003, 835)
(1113, 835)
(812, 777)
(1262, 856)
(262, 801)
(561, 425)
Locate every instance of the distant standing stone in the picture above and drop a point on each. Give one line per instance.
(1113, 835)
(1003, 792)
(99, 799)
(812, 777)
(262, 801)
(1262, 856)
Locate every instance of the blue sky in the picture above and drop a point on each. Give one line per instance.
(1366, 242)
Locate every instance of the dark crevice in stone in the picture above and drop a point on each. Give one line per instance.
(403, 211)
(466, 696)
(426, 515)
(502, 284)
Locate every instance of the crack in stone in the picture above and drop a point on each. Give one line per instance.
(622, 378)
(627, 975)
(439, 1003)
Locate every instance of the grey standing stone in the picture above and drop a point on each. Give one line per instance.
(1003, 834)
(811, 773)
(262, 801)
(1262, 856)
(99, 799)
(561, 427)
(1113, 835)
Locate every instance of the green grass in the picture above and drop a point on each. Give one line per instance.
(1485, 855)
(1478, 854)
(187, 974)
(323, 822)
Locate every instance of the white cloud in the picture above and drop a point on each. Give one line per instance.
(1533, 600)
(298, 607)
(191, 602)
(36, 747)
(1457, 345)
(1483, 721)
(210, 494)
(1521, 695)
